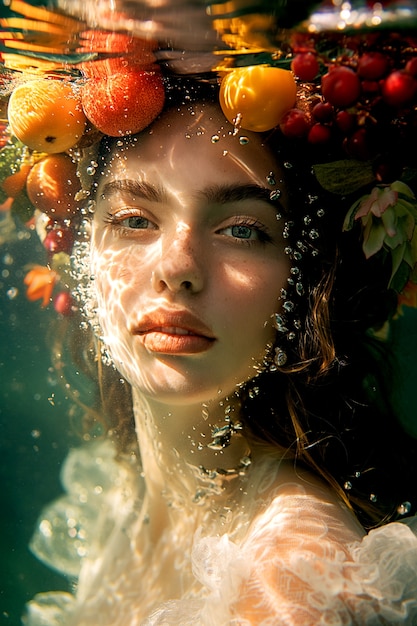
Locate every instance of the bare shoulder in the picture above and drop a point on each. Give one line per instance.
(297, 503)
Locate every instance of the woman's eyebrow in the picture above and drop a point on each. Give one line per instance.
(213, 194)
(225, 194)
(139, 189)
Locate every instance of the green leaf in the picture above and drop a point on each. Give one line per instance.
(345, 176)
(400, 278)
(373, 239)
(350, 216)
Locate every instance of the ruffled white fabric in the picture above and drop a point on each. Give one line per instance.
(300, 561)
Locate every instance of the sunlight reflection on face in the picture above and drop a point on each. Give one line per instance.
(188, 256)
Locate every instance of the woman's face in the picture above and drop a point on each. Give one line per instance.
(188, 256)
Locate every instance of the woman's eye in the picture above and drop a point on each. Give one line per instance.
(129, 222)
(136, 222)
(242, 232)
(247, 232)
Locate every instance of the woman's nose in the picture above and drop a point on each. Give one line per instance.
(180, 264)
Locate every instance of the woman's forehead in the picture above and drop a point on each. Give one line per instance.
(197, 134)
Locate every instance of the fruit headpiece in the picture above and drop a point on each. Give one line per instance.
(347, 101)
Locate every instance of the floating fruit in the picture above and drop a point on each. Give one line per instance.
(341, 87)
(15, 183)
(305, 66)
(40, 282)
(64, 303)
(125, 103)
(52, 185)
(399, 88)
(372, 65)
(322, 112)
(46, 115)
(295, 124)
(319, 134)
(257, 97)
(59, 239)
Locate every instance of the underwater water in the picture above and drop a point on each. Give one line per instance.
(35, 409)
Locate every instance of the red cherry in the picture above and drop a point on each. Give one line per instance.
(295, 124)
(372, 65)
(305, 66)
(59, 240)
(399, 88)
(411, 67)
(64, 303)
(345, 121)
(341, 86)
(370, 87)
(319, 134)
(125, 103)
(323, 112)
(358, 146)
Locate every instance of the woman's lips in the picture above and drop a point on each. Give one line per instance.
(174, 332)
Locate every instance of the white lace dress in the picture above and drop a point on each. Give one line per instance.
(296, 558)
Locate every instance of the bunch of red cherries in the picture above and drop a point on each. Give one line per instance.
(350, 98)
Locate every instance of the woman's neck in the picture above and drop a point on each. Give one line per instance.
(192, 455)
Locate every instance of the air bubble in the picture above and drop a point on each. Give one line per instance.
(348, 485)
(215, 138)
(243, 140)
(12, 293)
(275, 195)
(404, 508)
(270, 179)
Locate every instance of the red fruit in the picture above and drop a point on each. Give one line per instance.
(372, 65)
(319, 134)
(124, 50)
(59, 240)
(125, 103)
(345, 121)
(399, 88)
(305, 66)
(341, 87)
(370, 86)
(64, 303)
(323, 111)
(411, 67)
(358, 146)
(295, 124)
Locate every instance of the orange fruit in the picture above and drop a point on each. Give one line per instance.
(52, 185)
(15, 183)
(46, 115)
(257, 97)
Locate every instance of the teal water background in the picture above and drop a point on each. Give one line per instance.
(34, 430)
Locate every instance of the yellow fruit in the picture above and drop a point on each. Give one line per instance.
(257, 97)
(46, 115)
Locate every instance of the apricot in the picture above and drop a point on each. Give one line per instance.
(46, 115)
(52, 185)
